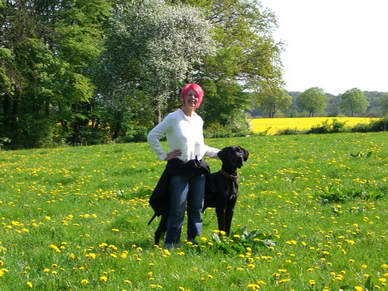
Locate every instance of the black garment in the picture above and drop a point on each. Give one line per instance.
(159, 197)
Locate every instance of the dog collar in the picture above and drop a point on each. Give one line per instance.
(234, 178)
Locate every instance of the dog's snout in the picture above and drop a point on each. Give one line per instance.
(240, 155)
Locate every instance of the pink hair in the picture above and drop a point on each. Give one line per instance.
(196, 88)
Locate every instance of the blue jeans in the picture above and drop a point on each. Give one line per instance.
(185, 190)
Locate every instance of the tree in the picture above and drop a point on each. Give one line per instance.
(332, 108)
(151, 47)
(47, 48)
(271, 98)
(246, 55)
(354, 101)
(384, 104)
(312, 100)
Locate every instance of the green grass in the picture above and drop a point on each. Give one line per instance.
(314, 210)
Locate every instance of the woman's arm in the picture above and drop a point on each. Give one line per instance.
(156, 134)
(211, 152)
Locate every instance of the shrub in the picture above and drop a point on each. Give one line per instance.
(233, 129)
(327, 126)
(289, 131)
(4, 141)
(377, 125)
(134, 134)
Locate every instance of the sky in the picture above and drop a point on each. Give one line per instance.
(335, 45)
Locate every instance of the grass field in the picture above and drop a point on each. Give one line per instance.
(272, 126)
(314, 209)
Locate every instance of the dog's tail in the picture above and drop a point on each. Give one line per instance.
(152, 219)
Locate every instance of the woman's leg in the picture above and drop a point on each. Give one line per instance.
(178, 189)
(195, 200)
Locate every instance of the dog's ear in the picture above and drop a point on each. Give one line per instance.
(245, 153)
(222, 154)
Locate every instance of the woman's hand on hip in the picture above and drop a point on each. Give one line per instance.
(173, 155)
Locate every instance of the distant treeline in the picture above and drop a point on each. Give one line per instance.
(95, 71)
(315, 102)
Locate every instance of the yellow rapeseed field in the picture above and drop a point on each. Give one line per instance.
(272, 126)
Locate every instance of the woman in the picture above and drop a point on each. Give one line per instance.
(186, 185)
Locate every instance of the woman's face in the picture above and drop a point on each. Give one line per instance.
(190, 101)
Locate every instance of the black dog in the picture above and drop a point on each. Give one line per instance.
(221, 190)
(222, 187)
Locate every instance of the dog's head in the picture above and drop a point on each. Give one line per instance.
(232, 157)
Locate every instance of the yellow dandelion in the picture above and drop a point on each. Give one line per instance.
(103, 278)
(2, 272)
(29, 284)
(250, 266)
(261, 282)
(339, 277)
(55, 248)
(312, 283)
(127, 281)
(253, 286)
(84, 282)
(91, 256)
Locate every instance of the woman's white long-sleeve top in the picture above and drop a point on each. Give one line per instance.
(183, 133)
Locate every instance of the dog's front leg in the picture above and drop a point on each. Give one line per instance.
(221, 218)
(228, 220)
(229, 215)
